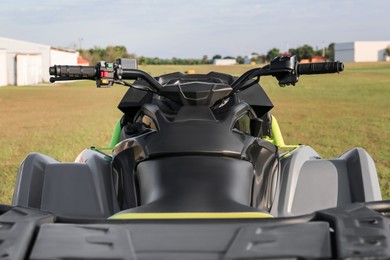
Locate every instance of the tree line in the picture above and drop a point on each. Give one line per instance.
(304, 52)
(110, 53)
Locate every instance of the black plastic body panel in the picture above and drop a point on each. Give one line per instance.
(134, 99)
(189, 120)
(359, 232)
(198, 240)
(158, 163)
(169, 185)
(159, 160)
(353, 232)
(18, 228)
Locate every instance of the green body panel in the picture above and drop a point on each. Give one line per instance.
(115, 135)
(277, 138)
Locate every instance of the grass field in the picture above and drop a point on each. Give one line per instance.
(332, 113)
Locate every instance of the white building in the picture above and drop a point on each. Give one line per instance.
(26, 63)
(61, 56)
(225, 61)
(361, 51)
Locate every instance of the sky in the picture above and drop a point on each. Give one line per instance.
(193, 28)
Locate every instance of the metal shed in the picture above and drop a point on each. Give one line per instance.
(361, 51)
(27, 63)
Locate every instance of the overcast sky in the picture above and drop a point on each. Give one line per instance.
(193, 28)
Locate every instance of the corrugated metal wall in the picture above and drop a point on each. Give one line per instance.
(3, 68)
(28, 69)
(345, 52)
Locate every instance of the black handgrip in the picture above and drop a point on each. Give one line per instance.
(320, 68)
(65, 71)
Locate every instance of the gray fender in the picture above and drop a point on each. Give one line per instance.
(309, 183)
(67, 189)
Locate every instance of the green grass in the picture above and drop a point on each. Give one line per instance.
(332, 113)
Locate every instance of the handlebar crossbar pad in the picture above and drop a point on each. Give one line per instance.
(320, 68)
(83, 72)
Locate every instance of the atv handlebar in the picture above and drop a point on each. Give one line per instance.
(286, 69)
(320, 68)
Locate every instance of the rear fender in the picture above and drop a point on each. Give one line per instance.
(310, 183)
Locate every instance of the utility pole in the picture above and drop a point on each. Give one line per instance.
(80, 40)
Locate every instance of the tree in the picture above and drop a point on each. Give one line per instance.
(329, 52)
(205, 60)
(271, 54)
(304, 52)
(240, 60)
(114, 52)
(217, 56)
(110, 54)
(143, 60)
(387, 51)
(95, 55)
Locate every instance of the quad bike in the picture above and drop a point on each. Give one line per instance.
(196, 172)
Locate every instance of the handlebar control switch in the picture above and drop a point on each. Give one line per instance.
(283, 63)
(284, 68)
(105, 74)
